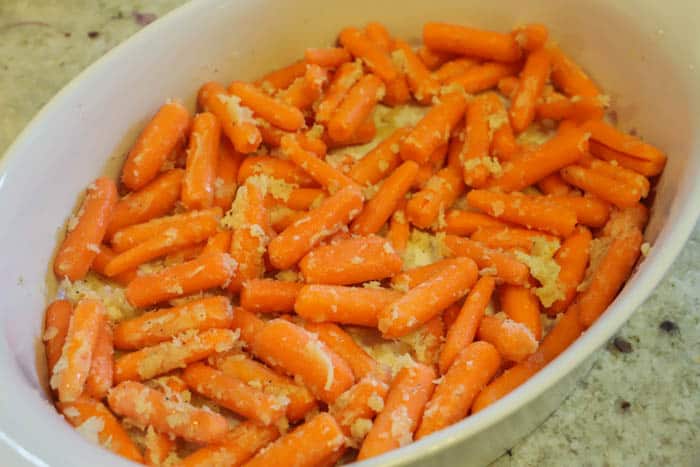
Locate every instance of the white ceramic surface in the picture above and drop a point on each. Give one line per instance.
(647, 55)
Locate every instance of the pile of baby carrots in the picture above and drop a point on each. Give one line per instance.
(253, 260)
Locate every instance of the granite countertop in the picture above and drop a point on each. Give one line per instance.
(639, 405)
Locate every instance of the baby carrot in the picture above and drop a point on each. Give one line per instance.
(397, 92)
(345, 305)
(355, 108)
(553, 184)
(513, 340)
(305, 91)
(433, 130)
(328, 57)
(522, 306)
(477, 140)
(269, 296)
(630, 145)
(99, 265)
(532, 80)
(460, 222)
(392, 191)
(569, 77)
(559, 107)
(100, 377)
(564, 149)
(399, 230)
(472, 369)
(503, 144)
(530, 37)
(360, 46)
(298, 199)
(247, 323)
(165, 130)
(426, 300)
(299, 238)
(186, 348)
(413, 277)
(645, 167)
(153, 200)
(322, 432)
(590, 211)
(56, 322)
(508, 237)
(377, 33)
(343, 80)
(603, 186)
(534, 212)
(148, 406)
(85, 230)
(301, 354)
(359, 403)
(340, 342)
(279, 114)
(461, 333)
(403, 409)
(130, 236)
(109, 432)
(453, 68)
(157, 447)
(218, 243)
(483, 77)
(380, 161)
(185, 254)
(282, 77)
(275, 168)
(202, 157)
(71, 370)
(508, 86)
(432, 58)
(257, 375)
(234, 394)
(202, 273)
(572, 258)
(351, 261)
(461, 40)
(363, 135)
(235, 448)
(423, 86)
(506, 268)
(158, 326)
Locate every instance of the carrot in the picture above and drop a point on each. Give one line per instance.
(610, 189)
(553, 184)
(506, 268)
(472, 369)
(403, 408)
(483, 77)
(379, 35)
(647, 168)
(477, 140)
(85, 231)
(175, 238)
(162, 134)
(507, 237)
(355, 108)
(449, 316)
(100, 377)
(257, 375)
(503, 143)
(277, 113)
(632, 146)
(343, 80)
(590, 211)
(282, 77)
(564, 149)
(534, 212)
(202, 159)
(513, 340)
(423, 86)
(218, 243)
(153, 200)
(426, 341)
(377, 60)
(392, 191)
(133, 235)
(247, 323)
(328, 57)
(522, 306)
(580, 109)
(569, 77)
(613, 270)
(185, 254)
(185, 348)
(432, 58)
(299, 238)
(234, 394)
(530, 37)
(461, 333)
(235, 448)
(532, 80)
(158, 326)
(380, 161)
(428, 299)
(439, 193)
(205, 272)
(351, 261)
(433, 130)
(357, 406)
(453, 68)
(458, 222)
(269, 296)
(275, 168)
(148, 406)
(272, 137)
(306, 90)
(461, 40)
(346, 305)
(301, 354)
(411, 278)
(572, 258)
(363, 135)
(99, 265)
(508, 86)
(109, 433)
(397, 92)
(399, 230)
(71, 370)
(297, 199)
(157, 447)
(56, 322)
(322, 432)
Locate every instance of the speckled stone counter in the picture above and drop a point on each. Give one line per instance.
(639, 405)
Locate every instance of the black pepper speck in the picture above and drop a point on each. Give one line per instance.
(668, 326)
(93, 34)
(622, 345)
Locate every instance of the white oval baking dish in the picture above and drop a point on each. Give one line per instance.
(645, 53)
